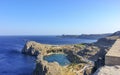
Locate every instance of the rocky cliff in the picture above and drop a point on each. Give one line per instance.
(109, 40)
(46, 68)
(112, 61)
(85, 58)
(79, 65)
(31, 48)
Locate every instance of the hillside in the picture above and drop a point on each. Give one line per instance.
(86, 36)
(109, 40)
(116, 34)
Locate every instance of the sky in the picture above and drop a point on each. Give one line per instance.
(57, 17)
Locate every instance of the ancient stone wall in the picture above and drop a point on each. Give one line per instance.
(113, 56)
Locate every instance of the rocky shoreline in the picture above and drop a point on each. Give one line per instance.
(41, 50)
(82, 57)
(85, 58)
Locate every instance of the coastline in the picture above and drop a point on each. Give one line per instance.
(83, 54)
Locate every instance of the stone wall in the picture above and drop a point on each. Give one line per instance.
(110, 60)
(113, 56)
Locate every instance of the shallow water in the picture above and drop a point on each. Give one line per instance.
(12, 62)
(60, 58)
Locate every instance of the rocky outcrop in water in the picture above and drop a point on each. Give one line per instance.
(79, 65)
(85, 58)
(32, 48)
(77, 54)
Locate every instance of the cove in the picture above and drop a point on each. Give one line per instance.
(60, 58)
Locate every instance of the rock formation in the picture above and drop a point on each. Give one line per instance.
(108, 70)
(85, 58)
(81, 57)
(112, 60)
(109, 40)
(79, 65)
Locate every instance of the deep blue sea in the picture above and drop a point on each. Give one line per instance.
(12, 62)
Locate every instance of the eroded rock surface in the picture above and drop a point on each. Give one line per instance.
(112, 61)
(108, 70)
(79, 65)
(46, 68)
(78, 54)
(109, 40)
(85, 58)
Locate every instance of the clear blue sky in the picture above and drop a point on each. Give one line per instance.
(56, 17)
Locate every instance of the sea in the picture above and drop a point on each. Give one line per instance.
(13, 62)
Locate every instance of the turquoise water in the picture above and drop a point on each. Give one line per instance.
(60, 58)
(13, 62)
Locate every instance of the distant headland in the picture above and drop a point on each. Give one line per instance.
(86, 36)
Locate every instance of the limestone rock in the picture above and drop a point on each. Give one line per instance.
(74, 55)
(31, 48)
(78, 54)
(108, 70)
